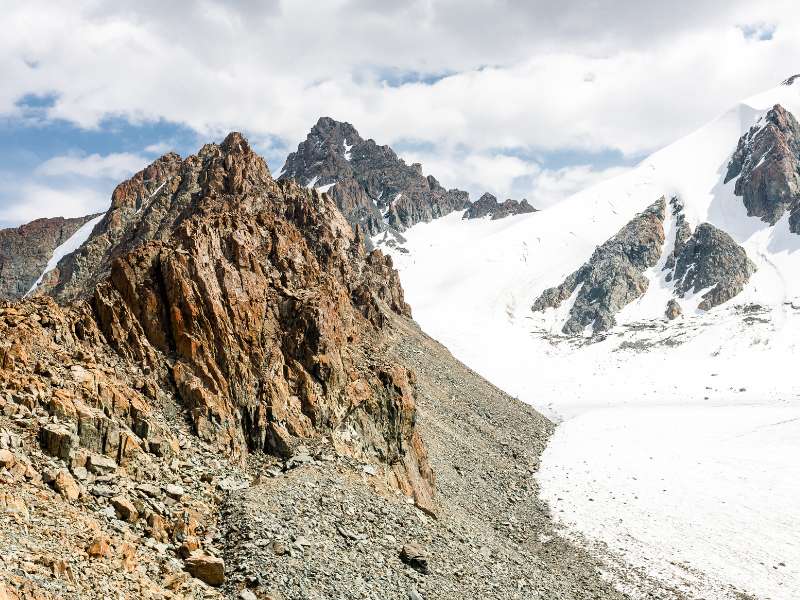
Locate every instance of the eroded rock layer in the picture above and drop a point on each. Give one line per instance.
(258, 303)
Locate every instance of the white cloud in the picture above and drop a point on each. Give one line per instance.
(552, 186)
(115, 166)
(275, 71)
(33, 201)
(539, 76)
(159, 148)
(510, 176)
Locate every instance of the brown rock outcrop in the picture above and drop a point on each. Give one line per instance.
(253, 300)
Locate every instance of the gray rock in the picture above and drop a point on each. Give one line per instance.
(58, 440)
(26, 250)
(673, 310)
(101, 465)
(711, 258)
(374, 188)
(614, 275)
(174, 491)
(488, 206)
(414, 556)
(767, 165)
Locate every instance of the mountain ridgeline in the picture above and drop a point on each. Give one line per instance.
(373, 187)
(223, 351)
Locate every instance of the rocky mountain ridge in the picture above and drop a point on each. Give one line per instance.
(372, 186)
(707, 260)
(26, 250)
(488, 206)
(766, 166)
(223, 340)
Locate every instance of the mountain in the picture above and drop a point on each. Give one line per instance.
(221, 393)
(372, 187)
(655, 317)
(488, 206)
(29, 251)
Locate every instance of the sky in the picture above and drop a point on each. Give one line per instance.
(534, 99)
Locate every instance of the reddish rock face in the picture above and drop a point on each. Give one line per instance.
(257, 304)
(767, 165)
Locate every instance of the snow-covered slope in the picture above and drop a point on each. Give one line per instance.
(679, 439)
(74, 242)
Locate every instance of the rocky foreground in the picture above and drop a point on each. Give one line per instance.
(230, 400)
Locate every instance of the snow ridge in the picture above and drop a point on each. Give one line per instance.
(68, 247)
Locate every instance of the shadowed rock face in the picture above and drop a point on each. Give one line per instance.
(26, 250)
(372, 186)
(710, 258)
(614, 275)
(488, 206)
(767, 165)
(259, 303)
(706, 259)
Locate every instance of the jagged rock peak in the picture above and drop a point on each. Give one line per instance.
(372, 186)
(488, 206)
(790, 80)
(257, 305)
(766, 164)
(25, 251)
(150, 205)
(708, 259)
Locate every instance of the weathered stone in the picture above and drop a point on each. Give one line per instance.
(7, 459)
(767, 167)
(58, 440)
(157, 527)
(208, 569)
(188, 546)
(101, 465)
(100, 547)
(125, 509)
(414, 556)
(673, 310)
(614, 275)
(65, 485)
(174, 491)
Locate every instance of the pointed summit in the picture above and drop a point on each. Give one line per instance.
(371, 185)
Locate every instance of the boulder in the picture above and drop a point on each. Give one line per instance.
(673, 310)
(208, 569)
(125, 509)
(414, 556)
(101, 465)
(58, 440)
(65, 485)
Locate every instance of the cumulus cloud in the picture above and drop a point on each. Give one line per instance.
(32, 200)
(111, 166)
(463, 77)
(518, 69)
